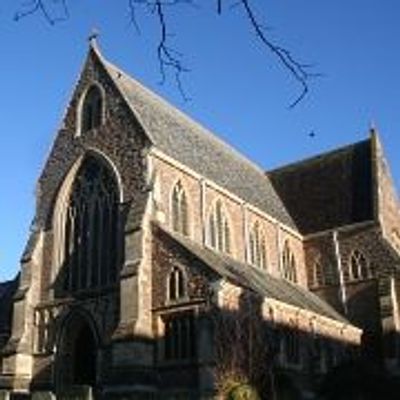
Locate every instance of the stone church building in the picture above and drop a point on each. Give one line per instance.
(162, 264)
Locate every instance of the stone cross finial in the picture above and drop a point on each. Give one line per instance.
(93, 36)
(372, 125)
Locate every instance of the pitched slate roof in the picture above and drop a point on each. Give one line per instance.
(186, 141)
(256, 279)
(330, 190)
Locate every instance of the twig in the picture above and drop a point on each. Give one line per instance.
(38, 6)
(298, 70)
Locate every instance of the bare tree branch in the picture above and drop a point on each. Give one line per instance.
(169, 58)
(298, 70)
(38, 6)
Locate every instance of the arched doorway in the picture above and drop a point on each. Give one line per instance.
(76, 353)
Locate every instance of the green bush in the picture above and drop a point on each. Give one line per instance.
(243, 392)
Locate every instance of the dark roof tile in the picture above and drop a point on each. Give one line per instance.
(329, 190)
(189, 143)
(257, 280)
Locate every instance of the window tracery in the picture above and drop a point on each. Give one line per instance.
(179, 210)
(359, 266)
(219, 229)
(322, 272)
(91, 228)
(257, 246)
(288, 263)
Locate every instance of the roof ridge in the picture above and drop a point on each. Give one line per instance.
(316, 157)
(188, 141)
(180, 114)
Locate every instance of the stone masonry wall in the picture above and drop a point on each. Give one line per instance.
(202, 195)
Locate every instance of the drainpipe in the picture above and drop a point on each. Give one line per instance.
(343, 294)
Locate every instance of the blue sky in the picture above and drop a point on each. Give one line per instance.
(238, 89)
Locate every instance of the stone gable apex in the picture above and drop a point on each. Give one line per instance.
(183, 139)
(120, 140)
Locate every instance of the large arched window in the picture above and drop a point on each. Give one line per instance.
(91, 239)
(257, 251)
(359, 266)
(219, 233)
(179, 208)
(288, 263)
(92, 109)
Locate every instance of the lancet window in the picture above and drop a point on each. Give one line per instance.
(179, 210)
(92, 109)
(257, 249)
(219, 229)
(288, 263)
(176, 285)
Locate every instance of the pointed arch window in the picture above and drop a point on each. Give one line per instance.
(176, 285)
(396, 239)
(219, 231)
(179, 210)
(92, 109)
(323, 272)
(288, 263)
(317, 272)
(257, 251)
(359, 266)
(91, 236)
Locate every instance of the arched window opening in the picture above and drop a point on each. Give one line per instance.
(359, 266)
(257, 251)
(92, 109)
(289, 271)
(396, 239)
(176, 285)
(219, 231)
(331, 275)
(179, 210)
(318, 273)
(322, 272)
(91, 228)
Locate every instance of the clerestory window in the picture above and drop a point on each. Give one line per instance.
(219, 232)
(179, 210)
(257, 251)
(288, 263)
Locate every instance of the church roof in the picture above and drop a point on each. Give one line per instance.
(256, 279)
(329, 190)
(186, 141)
